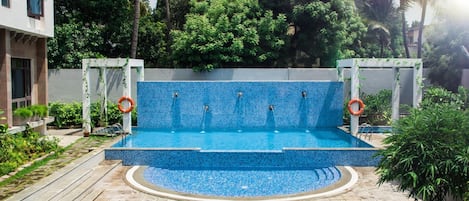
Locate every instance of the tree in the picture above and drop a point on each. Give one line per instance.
(382, 19)
(133, 45)
(227, 33)
(444, 55)
(326, 29)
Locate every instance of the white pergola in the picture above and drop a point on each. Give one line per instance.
(395, 64)
(125, 65)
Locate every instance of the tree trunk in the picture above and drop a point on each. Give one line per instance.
(404, 34)
(168, 26)
(133, 45)
(421, 26)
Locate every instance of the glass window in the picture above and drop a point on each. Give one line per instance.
(20, 82)
(6, 3)
(35, 8)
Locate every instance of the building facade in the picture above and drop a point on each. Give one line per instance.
(24, 29)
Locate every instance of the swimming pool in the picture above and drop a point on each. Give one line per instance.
(215, 140)
(237, 140)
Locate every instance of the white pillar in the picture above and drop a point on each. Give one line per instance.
(127, 117)
(395, 94)
(86, 98)
(354, 93)
(103, 90)
(418, 83)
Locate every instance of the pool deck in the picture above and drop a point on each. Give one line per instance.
(93, 178)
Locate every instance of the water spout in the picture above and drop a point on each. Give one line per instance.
(240, 94)
(204, 116)
(175, 94)
(271, 107)
(303, 94)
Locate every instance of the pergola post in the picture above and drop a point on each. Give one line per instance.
(396, 90)
(417, 84)
(86, 98)
(127, 117)
(354, 94)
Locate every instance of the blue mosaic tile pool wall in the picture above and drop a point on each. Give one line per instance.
(159, 108)
(203, 159)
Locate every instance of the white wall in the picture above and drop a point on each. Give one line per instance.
(15, 18)
(66, 85)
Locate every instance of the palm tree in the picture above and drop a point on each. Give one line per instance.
(133, 44)
(422, 22)
(377, 14)
(403, 6)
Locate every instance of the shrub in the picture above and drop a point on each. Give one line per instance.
(70, 114)
(66, 114)
(428, 153)
(20, 148)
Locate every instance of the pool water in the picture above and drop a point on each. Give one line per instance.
(241, 140)
(250, 182)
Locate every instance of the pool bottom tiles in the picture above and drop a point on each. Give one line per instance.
(240, 183)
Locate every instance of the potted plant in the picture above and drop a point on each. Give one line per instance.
(22, 115)
(39, 111)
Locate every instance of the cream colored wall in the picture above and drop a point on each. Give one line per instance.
(16, 18)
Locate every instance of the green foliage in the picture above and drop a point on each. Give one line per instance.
(3, 127)
(72, 42)
(39, 110)
(327, 30)
(66, 115)
(20, 148)
(378, 108)
(23, 112)
(441, 96)
(428, 153)
(70, 114)
(384, 36)
(222, 32)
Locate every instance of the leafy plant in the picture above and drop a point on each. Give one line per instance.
(441, 96)
(20, 148)
(428, 153)
(3, 127)
(39, 110)
(23, 112)
(66, 114)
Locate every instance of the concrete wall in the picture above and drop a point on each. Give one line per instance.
(66, 85)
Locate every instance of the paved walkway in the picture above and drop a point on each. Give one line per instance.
(104, 180)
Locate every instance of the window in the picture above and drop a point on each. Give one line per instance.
(20, 82)
(35, 8)
(6, 3)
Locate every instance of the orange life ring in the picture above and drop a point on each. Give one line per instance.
(361, 105)
(130, 100)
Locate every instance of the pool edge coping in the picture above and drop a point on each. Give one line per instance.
(130, 180)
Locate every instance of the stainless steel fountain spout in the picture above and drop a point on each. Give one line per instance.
(206, 108)
(240, 94)
(175, 94)
(271, 107)
(303, 94)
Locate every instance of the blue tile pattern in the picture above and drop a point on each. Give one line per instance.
(291, 158)
(158, 107)
(242, 182)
